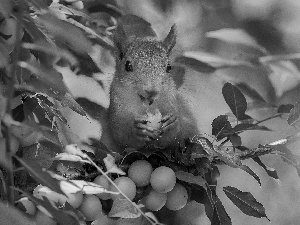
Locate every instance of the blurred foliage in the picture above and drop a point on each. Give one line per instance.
(40, 38)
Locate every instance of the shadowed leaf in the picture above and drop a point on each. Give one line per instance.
(251, 92)
(213, 60)
(235, 100)
(68, 101)
(287, 156)
(285, 108)
(39, 175)
(249, 126)
(235, 140)
(249, 171)
(221, 127)
(190, 178)
(245, 202)
(136, 26)
(238, 38)
(61, 216)
(294, 117)
(194, 64)
(123, 208)
(270, 171)
(220, 215)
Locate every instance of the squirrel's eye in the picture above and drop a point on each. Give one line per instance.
(121, 55)
(168, 69)
(128, 66)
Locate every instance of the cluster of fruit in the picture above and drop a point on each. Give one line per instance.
(164, 191)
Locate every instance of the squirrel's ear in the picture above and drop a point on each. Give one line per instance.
(170, 41)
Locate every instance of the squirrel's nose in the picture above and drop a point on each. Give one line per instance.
(148, 96)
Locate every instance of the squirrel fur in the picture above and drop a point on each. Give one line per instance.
(143, 86)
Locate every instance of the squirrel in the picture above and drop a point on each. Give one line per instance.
(146, 107)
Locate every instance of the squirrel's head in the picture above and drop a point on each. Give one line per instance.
(143, 64)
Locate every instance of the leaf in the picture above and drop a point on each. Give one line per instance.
(65, 32)
(49, 78)
(294, 117)
(287, 156)
(86, 64)
(235, 100)
(124, 209)
(214, 60)
(190, 178)
(39, 175)
(208, 202)
(235, 140)
(203, 146)
(73, 186)
(284, 76)
(70, 157)
(245, 202)
(75, 150)
(194, 64)
(237, 37)
(249, 171)
(61, 216)
(40, 153)
(51, 49)
(270, 171)
(285, 108)
(136, 26)
(68, 101)
(233, 160)
(110, 8)
(227, 157)
(251, 92)
(50, 109)
(46, 132)
(220, 215)
(111, 166)
(248, 126)
(221, 127)
(102, 220)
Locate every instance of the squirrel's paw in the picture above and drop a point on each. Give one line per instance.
(168, 122)
(144, 132)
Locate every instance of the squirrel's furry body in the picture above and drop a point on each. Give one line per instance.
(143, 86)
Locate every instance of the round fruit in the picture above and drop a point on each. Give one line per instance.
(103, 182)
(140, 172)
(155, 200)
(91, 207)
(28, 205)
(74, 199)
(163, 179)
(177, 198)
(42, 218)
(126, 185)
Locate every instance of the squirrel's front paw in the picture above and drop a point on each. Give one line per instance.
(145, 132)
(168, 123)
